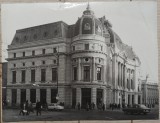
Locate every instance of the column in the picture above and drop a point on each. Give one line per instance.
(48, 95)
(105, 97)
(78, 95)
(28, 94)
(18, 76)
(38, 75)
(28, 76)
(18, 96)
(79, 69)
(48, 74)
(9, 96)
(38, 94)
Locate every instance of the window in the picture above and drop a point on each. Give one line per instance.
(53, 95)
(86, 46)
(43, 51)
(13, 76)
(128, 84)
(132, 86)
(101, 48)
(87, 26)
(73, 48)
(23, 76)
(23, 64)
(23, 54)
(75, 73)
(33, 53)
(99, 73)
(33, 95)
(14, 55)
(43, 75)
(33, 63)
(54, 50)
(43, 62)
(14, 65)
(33, 75)
(54, 74)
(86, 73)
(54, 61)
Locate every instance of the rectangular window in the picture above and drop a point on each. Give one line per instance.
(43, 75)
(75, 73)
(14, 55)
(54, 50)
(23, 54)
(98, 73)
(86, 46)
(43, 51)
(33, 53)
(13, 76)
(86, 73)
(43, 62)
(23, 76)
(33, 95)
(32, 75)
(101, 48)
(73, 48)
(54, 74)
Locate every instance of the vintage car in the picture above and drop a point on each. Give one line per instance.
(136, 109)
(55, 106)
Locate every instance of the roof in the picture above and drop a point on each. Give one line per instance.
(127, 50)
(41, 32)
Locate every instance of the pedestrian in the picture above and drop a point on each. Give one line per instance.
(21, 109)
(26, 107)
(79, 106)
(103, 107)
(38, 108)
(87, 107)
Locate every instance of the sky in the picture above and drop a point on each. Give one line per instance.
(135, 22)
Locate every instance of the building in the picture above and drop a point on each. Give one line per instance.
(86, 62)
(150, 93)
(4, 80)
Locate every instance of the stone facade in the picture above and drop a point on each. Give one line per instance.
(93, 64)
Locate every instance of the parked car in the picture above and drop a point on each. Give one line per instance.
(55, 106)
(136, 109)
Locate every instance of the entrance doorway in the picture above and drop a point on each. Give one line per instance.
(23, 95)
(86, 97)
(43, 96)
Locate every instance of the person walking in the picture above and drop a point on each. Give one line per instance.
(79, 106)
(21, 109)
(103, 107)
(38, 108)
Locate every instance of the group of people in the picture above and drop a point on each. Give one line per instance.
(91, 106)
(26, 108)
(114, 106)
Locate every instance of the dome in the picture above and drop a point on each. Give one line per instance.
(88, 24)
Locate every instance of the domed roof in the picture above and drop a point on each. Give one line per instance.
(88, 23)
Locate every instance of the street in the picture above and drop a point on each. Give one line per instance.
(12, 115)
